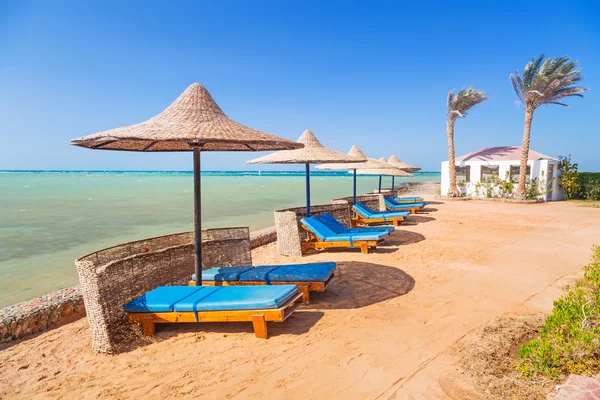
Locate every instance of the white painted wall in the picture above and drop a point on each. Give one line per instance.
(540, 169)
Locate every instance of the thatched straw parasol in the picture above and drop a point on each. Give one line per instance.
(396, 162)
(313, 152)
(194, 122)
(389, 171)
(372, 166)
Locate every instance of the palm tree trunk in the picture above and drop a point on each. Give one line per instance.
(524, 155)
(452, 189)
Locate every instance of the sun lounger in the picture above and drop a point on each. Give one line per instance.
(411, 207)
(404, 200)
(363, 215)
(256, 304)
(337, 227)
(322, 237)
(312, 277)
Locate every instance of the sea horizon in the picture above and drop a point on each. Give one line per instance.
(301, 172)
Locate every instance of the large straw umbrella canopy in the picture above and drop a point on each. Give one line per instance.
(370, 167)
(313, 152)
(396, 162)
(194, 122)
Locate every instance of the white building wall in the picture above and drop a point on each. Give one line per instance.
(540, 169)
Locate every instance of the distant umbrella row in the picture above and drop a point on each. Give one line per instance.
(194, 122)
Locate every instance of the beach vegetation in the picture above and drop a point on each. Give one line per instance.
(457, 105)
(569, 176)
(589, 186)
(569, 341)
(545, 80)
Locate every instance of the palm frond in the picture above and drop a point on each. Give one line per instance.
(458, 104)
(546, 80)
(517, 84)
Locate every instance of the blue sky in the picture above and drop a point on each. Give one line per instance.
(374, 74)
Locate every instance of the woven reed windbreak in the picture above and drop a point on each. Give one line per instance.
(112, 277)
(290, 233)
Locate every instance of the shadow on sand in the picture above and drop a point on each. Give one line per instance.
(297, 324)
(416, 219)
(360, 284)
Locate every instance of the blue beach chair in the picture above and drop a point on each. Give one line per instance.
(311, 277)
(413, 208)
(322, 237)
(337, 227)
(256, 304)
(363, 215)
(404, 200)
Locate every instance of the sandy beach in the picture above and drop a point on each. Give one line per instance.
(381, 330)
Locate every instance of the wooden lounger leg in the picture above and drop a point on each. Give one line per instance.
(364, 248)
(148, 327)
(305, 292)
(260, 326)
(395, 222)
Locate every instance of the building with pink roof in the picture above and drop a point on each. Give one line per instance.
(502, 162)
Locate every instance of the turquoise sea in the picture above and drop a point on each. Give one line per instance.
(49, 218)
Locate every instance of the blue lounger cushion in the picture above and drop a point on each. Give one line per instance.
(312, 272)
(408, 200)
(337, 227)
(325, 234)
(211, 298)
(370, 214)
(411, 199)
(389, 202)
(231, 298)
(223, 274)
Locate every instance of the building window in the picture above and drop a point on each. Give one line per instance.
(515, 171)
(463, 174)
(489, 172)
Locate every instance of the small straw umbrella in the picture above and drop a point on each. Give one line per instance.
(396, 162)
(194, 122)
(375, 166)
(313, 152)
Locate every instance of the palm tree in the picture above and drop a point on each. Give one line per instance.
(457, 106)
(544, 81)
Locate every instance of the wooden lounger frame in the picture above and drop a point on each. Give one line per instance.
(259, 318)
(313, 242)
(413, 210)
(359, 220)
(303, 287)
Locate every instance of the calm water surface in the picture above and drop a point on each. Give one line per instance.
(47, 219)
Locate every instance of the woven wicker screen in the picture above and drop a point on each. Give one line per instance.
(111, 277)
(289, 229)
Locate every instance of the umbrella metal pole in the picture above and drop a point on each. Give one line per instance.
(354, 191)
(197, 217)
(307, 189)
(393, 195)
(379, 183)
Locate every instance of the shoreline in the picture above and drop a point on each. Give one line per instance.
(39, 314)
(42, 313)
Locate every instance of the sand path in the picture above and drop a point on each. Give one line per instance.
(386, 316)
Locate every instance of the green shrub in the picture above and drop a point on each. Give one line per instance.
(589, 185)
(569, 178)
(569, 341)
